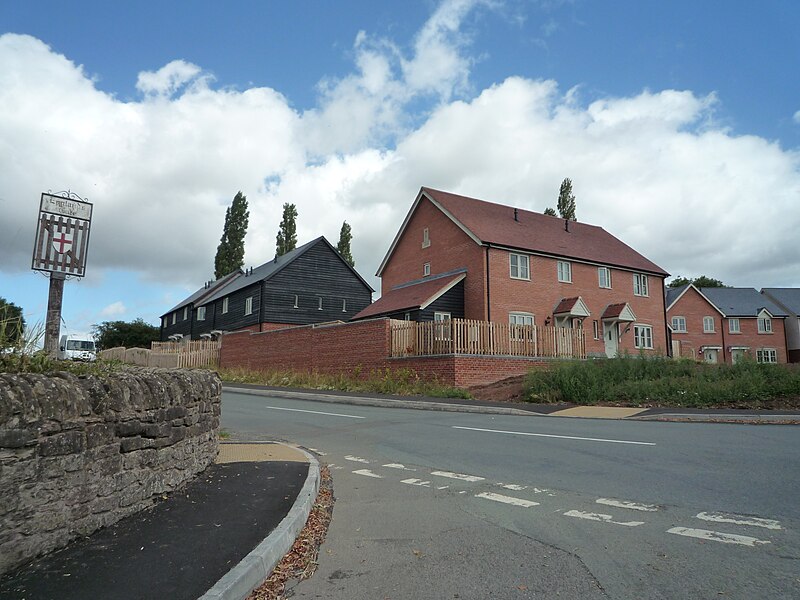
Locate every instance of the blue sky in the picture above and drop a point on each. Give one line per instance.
(679, 123)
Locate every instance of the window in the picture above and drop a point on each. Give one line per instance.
(679, 324)
(165, 322)
(517, 321)
(248, 305)
(201, 313)
(185, 312)
(708, 324)
(320, 303)
(408, 316)
(766, 355)
(596, 329)
(643, 336)
(733, 326)
(296, 300)
(344, 305)
(604, 277)
(764, 325)
(225, 305)
(426, 240)
(520, 266)
(426, 269)
(640, 285)
(174, 318)
(442, 331)
(564, 272)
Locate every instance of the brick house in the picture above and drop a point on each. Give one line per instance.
(788, 299)
(457, 256)
(722, 325)
(310, 284)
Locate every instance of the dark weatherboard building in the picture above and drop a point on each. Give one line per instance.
(310, 284)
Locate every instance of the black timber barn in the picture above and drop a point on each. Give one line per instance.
(310, 284)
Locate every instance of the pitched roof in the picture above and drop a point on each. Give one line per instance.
(571, 306)
(740, 302)
(621, 311)
(271, 268)
(489, 223)
(413, 295)
(205, 291)
(671, 294)
(788, 298)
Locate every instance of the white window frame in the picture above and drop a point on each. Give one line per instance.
(248, 305)
(175, 317)
(201, 313)
(640, 285)
(677, 329)
(165, 322)
(731, 328)
(764, 325)
(426, 238)
(604, 277)
(296, 301)
(426, 269)
(522, 266)
(596, 329)
(344, 305)
(185, 312)
(225, 305)
(706, 328)
(643, 337)
(319, 307)
(564, 271)
(441, 332)
(518, 319)
(767, 355)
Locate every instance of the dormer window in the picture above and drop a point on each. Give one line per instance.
(426, 239)
(764, 324)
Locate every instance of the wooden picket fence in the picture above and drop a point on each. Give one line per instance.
(197, 353)
(466, 336)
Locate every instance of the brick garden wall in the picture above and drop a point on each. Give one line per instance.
(361, 347)
(78, 454)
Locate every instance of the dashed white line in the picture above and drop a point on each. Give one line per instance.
(398, 466)
(627, 504)
(358, 459)
(740, 520)
(460, 476)
(716, 536)
(601, 517)
(561, 437)
(506, 499)
(418, 482)
(315, 412)
(368, 473)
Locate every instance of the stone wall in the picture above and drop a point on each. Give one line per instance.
(80, 453)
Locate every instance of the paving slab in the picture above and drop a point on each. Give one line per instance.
(598, 412)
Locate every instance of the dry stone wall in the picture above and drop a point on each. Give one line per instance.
(80, 453)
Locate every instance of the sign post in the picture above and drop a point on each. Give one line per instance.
(60, 249)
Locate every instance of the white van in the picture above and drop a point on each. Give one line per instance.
(77, 346)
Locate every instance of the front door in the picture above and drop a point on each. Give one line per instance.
(711, 355)
(611, 337)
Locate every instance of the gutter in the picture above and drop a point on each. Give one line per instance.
(488, 296)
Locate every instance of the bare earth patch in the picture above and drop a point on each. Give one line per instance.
(505, 390)
(301, 561)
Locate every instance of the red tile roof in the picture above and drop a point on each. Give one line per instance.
(408, 297)
(565, 305)
(494, 224)
(613, 311)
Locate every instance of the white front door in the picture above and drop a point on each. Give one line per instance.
(711, 356)
(611, 337)
(737, 354)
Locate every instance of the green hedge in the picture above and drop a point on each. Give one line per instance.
(646, 381)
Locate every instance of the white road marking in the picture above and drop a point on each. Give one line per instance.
(356, 459)
(463, 492)
(716, 536)
(513, 486)
(601, 517)
(506, 499)
(368, 473)
(398, 466)
(561, 437)
(627, 504)
(460, 476)
(418, 482)
(320, 452)
(315, 412)
(739, 520)
(442, 487)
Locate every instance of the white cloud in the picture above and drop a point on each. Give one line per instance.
(797, 117)
(652, 168)
(113, 310)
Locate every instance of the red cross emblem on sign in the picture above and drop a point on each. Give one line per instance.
(62, 242)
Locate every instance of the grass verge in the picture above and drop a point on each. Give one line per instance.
(402, 382)
(661, 381)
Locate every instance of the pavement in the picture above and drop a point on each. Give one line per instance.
(218, 537)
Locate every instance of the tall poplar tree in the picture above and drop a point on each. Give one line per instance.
(287, 232)
(230, 252)
(566, 201)
(345, 236)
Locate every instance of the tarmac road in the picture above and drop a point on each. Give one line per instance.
(474, 506)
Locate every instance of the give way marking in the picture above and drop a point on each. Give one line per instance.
(561, 437)
(716, 536)
(507, 499)
(739, 520)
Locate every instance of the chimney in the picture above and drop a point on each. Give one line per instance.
(566, 225)
(516, 215)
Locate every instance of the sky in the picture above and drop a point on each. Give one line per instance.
(678, 123)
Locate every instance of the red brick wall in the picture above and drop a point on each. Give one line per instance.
(542, 293)
(450, 249)
(694, 307)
